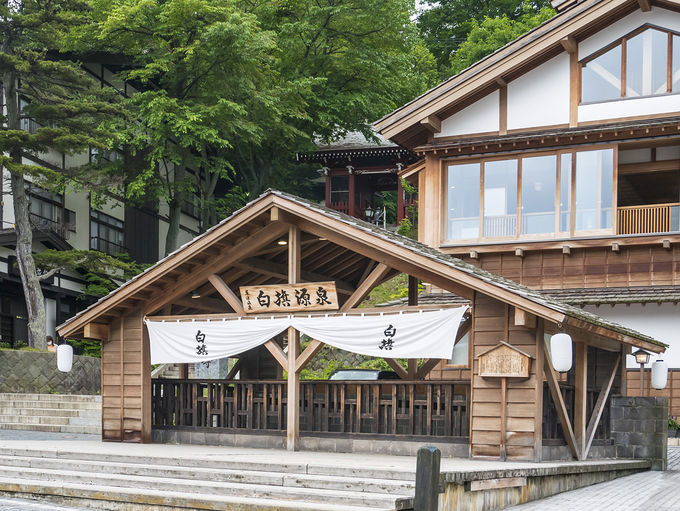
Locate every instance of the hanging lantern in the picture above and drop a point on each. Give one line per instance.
(64, 357)
(560, 352)
(659, 374)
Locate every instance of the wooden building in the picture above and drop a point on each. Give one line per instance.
(281, 239)
(356, 170)
(555, 162)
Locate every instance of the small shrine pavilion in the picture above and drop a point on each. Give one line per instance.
(248, 287)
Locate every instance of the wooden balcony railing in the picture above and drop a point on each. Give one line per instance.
(410, 408)
(342, 207)
(649, 219)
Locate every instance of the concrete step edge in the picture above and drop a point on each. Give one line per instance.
(288, 468)
(202, 486)
(360, 484)
(50, 397)
(166, 499)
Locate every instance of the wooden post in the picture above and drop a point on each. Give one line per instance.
(580, 397)
(400, 200)
(293, 410)
(412, 290)
(328, 188)
(504, 386)
(427, 479)
(184, 371)
(642, 380)
(350, 200)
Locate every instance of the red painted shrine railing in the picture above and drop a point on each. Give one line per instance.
(399, 408)
(342, 207)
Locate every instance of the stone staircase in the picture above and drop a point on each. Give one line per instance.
(137, 482)
(51, 412)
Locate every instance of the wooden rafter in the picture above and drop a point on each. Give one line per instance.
(397, 368)
(599, 406)
(277, 353)
(235, 369)
(310, 351)
(562, 414)
(425, 369)
(365, 287)
(225, 292)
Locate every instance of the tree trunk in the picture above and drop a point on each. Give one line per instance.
(35, 302)
(175, 212)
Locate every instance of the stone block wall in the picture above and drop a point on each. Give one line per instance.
(640, 428)
(36, 372)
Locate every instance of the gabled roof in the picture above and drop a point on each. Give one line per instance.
(342, 232)
(536, 46)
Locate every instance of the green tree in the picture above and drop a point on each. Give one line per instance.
(43, 86)
(493, 33)
(445, 24)
(209, 80)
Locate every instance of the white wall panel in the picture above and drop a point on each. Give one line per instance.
(661, 322)
(480, 117)
(541, 96)
(632, 107)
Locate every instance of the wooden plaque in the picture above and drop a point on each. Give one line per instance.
(504, 361)
(309, 296)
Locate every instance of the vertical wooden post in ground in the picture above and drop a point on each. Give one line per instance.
(580, 395)
(400, 201)
(293, 410)
(504, 401)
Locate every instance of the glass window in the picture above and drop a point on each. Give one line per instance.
(106, 233)
(500, 198)
(339, 190)
(676, 64)
(460, 355)
(565, 192)
(601, 77)
(647, 64)
(594, 187)
(539, 177)
(463, 201)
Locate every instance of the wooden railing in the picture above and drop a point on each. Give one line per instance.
(500, 226)
(342, 207)
(648, 219)
(396, 408)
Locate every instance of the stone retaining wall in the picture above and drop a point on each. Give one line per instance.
(36, 372)
(640, 428)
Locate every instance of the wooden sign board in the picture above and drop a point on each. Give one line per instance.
(504, 361)
(307, 297)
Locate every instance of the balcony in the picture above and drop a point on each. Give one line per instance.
(47, 225)
(106, 246)
(649, 219)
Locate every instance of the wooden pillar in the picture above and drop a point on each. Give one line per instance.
(400, 200)
(328, 188)
(183, 371)
(293, 410)
(412, 290)
(351, 202)
(623, 381)
(580, 395)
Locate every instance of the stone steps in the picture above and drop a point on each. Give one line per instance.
(51, 413)
(129, 482)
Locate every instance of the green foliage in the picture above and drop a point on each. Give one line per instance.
(85, 347)
(445, 24)
(321, 374)
(102, 272)
(493, 33)
(672, 423)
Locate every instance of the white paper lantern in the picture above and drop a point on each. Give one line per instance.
(560, 351)
(64, 357)
(659, 374)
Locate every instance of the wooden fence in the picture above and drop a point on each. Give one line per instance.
(648, 219)
(422, 408)
(552, 429)
(672, 390)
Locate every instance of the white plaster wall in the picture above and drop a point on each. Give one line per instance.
(631, 107)
(661, 322)
(635, 156)
(79, 202)
(7, 202)
(656, 16)
(51, 317)
(668, 152)
(480, 117)
(541, 96)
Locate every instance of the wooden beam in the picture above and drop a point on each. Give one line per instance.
(569, 44)
(277, 352)
(556, 395)
(412, 368)
(599, 406)
(96, 331)
(649, 167)
(412, 290)
(365, 287)
(209, 305)
(580, 395)
(432, 123)
(644, 5)
(310, 351)
(425, 369)
(524, 318)
(274, 214)
(225, 292)
(397, 368)
(234, 370)
(239, 251)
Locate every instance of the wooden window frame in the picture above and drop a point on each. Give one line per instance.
(623, 41)
(557, 234)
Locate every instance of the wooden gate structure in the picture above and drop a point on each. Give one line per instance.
(279, 239)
